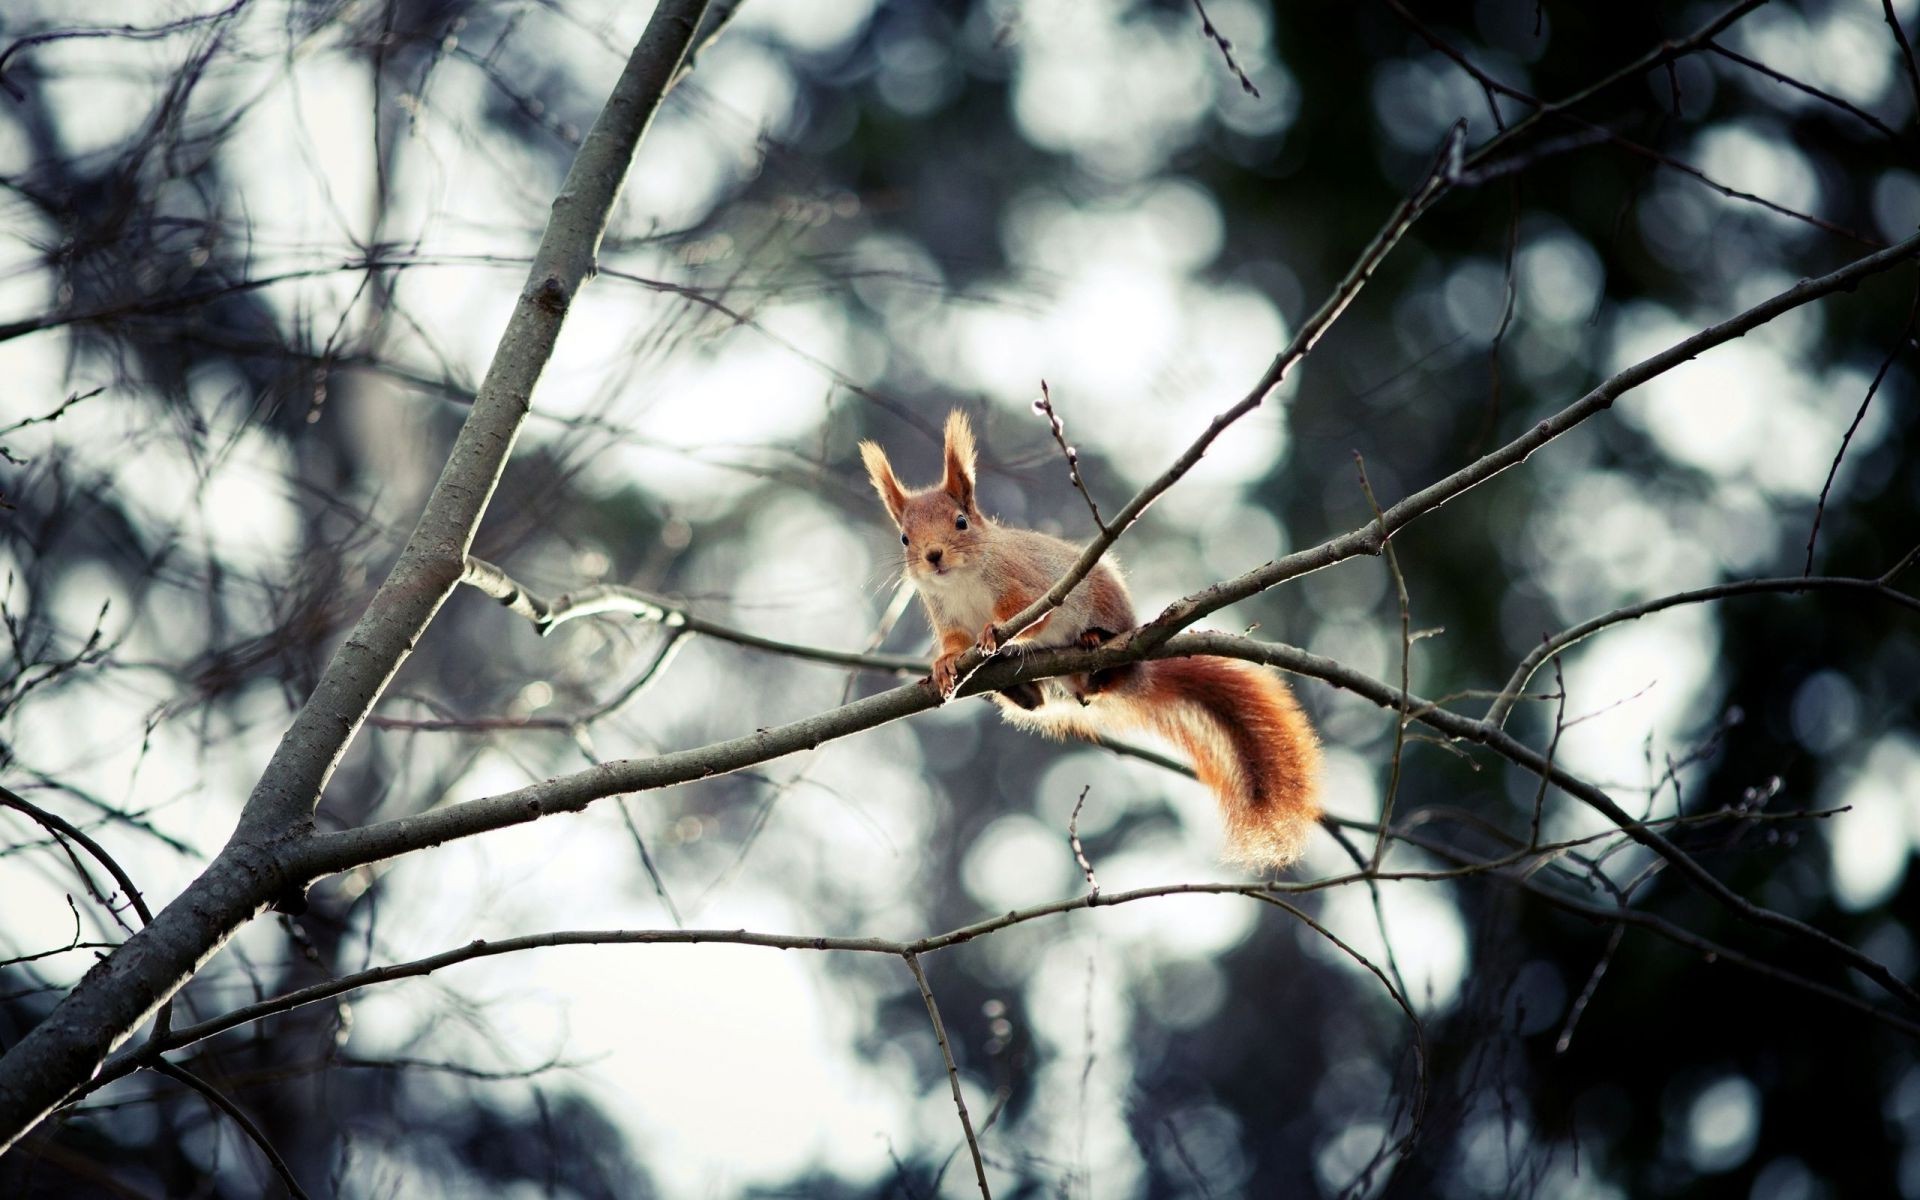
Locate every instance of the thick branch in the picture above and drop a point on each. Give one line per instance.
(331, 852)
(116, 996)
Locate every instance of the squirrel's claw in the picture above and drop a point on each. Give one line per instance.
(946, 675)
(989, 640)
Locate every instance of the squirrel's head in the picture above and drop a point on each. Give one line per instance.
(940, 527)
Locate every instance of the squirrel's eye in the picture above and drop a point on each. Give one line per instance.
(904, 541)
(960, 522)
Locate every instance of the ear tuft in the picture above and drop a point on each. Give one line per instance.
(880, 472)
(958, 481)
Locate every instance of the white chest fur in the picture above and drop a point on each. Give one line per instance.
(959, 599)
(965, 600)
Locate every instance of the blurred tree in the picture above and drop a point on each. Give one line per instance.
(257, 255)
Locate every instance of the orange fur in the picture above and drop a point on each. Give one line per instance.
(1249, 742)
(1248, 739)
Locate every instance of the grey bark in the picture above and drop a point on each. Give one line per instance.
(118, 995)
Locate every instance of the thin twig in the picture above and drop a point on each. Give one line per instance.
(1906, 49)
(1663, 53)
(1846, 439)
(573, 723)
(1374, 893)
(1044, 406)
(1400, 718)
(1367, 538)
(1550, 647)
(1578, 1008)
(1809, 89)
(59, 411)
(1488, 734)
(1900, 564)
(254, 1133)
(1073, 839)
(1432, 186)
(1208, 30)
(1406, 1142)
(1541, 107)
(68, 829)
(953, 1073)
(612, 598)
(1553, 747)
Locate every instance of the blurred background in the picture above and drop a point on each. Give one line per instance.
(254, 262)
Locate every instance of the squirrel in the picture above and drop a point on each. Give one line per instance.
(1245, 733)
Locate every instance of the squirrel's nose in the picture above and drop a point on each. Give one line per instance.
(933, 555)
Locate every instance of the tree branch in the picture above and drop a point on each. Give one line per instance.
(1528, 878)
(61, 827)
(1510, 748)
(612, 598)
(1502, 705)
(1438, 178)
(953, 1072)
(1370, 537)
(331, 852)
(112, 1000)
(254, 1133)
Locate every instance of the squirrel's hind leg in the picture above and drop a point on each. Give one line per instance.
(1024, 695)
(1095, 682)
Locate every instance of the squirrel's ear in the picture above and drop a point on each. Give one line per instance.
(880, 471)
(958, 481)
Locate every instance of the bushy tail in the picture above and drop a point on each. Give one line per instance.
(1249, 742)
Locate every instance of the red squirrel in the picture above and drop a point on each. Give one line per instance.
(1248, 739)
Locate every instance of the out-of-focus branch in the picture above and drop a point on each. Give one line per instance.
(1906, 48)
(131, 33)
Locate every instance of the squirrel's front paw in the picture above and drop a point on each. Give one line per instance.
(989, 640)
(946, 675)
